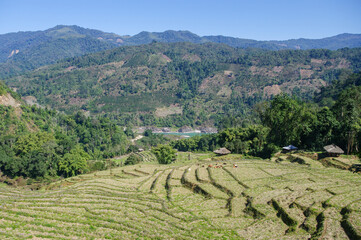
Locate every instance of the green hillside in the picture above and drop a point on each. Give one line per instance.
(43, 144)
(205, 80)
(24, 51)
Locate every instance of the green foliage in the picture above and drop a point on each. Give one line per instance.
(133, 159)
(33, 144)
(2, 89)
(288, 119)
(348, 111)
(165, 154)
(74, 162)
(151, 140)
(148, 133)
(132, 149)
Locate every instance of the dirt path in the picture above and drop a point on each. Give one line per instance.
(136, 138)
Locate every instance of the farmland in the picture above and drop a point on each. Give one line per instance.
(208, 199)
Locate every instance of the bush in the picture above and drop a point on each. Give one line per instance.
(133, 159)
(132, 149)
(269, 150)
(96, 166)
(164, 153)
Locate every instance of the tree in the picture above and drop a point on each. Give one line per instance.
(288, 120)
(164, 153)
(348, 112)
(32, 142)
(133, 159)
(74, 162)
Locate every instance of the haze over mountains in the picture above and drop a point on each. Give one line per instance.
(24, 51)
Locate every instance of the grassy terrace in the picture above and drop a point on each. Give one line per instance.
(188, 200)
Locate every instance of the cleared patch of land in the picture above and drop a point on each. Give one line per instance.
(165, 111)
(208, 200)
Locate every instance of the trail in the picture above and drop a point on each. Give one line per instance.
(136, 138)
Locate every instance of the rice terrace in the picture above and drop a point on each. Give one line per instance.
(226, 197)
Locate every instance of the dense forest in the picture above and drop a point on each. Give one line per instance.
(40, 143)
(205, 81)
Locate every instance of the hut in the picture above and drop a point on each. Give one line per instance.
(333, 150)
(222, 151)
(289, 148)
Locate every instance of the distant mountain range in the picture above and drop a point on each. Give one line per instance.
(23, 51)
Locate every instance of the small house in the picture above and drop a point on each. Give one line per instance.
(333, 150)
(289, 148)
(222, 151)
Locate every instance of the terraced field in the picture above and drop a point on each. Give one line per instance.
(257, 200)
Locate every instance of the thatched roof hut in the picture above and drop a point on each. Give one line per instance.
(222, 151)
(333, 150)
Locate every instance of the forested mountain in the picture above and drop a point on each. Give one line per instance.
(332, 43)
(24, 51)
(181, 84)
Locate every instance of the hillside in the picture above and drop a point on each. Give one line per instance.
(24, 51)
(256, 200)
(38, 143)
(205, 81)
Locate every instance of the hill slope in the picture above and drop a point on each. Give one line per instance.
(256, 200)
(28, 50)
(205, 80)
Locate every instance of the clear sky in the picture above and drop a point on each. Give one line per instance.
(253, 19)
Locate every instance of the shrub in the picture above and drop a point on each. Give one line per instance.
(164, 153)
(133, 159)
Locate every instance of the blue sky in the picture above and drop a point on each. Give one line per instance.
(253, 19)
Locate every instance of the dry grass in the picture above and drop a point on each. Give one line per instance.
(257, 200)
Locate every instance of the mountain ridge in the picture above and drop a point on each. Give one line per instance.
(24, 51)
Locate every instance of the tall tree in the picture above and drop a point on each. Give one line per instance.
(348, 112)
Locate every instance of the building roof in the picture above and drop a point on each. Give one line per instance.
(290, 147)
(333, 149)
(222, 151)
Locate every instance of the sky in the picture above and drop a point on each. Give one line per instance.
(252, 19)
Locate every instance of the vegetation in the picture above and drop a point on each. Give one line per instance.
(133, 159)
(164, 153)
(207, 81)
(40, 143)
(26, 51)
(285, 121)
(257, 200)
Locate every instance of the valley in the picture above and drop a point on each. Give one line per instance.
(169, 135)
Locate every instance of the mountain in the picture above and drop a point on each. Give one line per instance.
(12, 44)
(177, 84)
(332, 43)
(25, 51)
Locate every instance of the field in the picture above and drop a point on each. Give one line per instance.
(211, 199)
